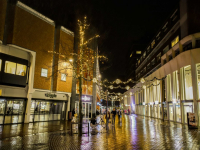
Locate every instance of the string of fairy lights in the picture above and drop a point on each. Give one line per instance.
(118, 81)
(85, 61)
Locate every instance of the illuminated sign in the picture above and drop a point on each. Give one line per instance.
(86, 98)
(50, 95)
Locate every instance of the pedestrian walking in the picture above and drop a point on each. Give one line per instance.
(119, 114)
(113, 116)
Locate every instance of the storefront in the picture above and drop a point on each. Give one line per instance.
(48, 106)
(155, 111)
(86, 105)
(165, 110)
(178, 112)
(171, 112)
(12, 110)
(159, 111)
(46, 110)
(152, 111)
(187, 107)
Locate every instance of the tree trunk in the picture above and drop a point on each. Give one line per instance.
(80, 108)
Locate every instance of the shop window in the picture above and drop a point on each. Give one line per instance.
(151, 94)
(44, 72)
(175, 41)
(147, 96)
(0, 64)
(10, 67)
(198, 79)
(158, 91)
(175, 86)
(63, 77)
(186, 78)
(2, 106)
(154, 91)
(169, 93)
(21, 70)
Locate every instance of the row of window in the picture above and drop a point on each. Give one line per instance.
(173, 42)
(152, 93)
(44, 73)
(14, 68)
(153, 62)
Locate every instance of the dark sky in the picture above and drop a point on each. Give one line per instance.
(120, 23)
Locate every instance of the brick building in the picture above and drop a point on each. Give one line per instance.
(35, 84)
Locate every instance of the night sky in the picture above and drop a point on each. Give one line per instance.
(121, 24)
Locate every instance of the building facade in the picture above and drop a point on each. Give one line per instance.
(170, 69)
(36, 68)
(34, 86)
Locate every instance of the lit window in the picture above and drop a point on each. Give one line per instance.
(198, 80)
(21, 70)
(176, 40)
(153, 43)
(138, 52)
(10, 67)
(175, 86)
(169, 93)
(63, 77)
(131, 55)
(186, 78)
(44, 72)
(144, 55)
(0, 64)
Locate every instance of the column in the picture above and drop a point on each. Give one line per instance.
(194, 86)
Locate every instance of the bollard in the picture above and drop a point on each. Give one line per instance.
(71, 128)
(88, 128)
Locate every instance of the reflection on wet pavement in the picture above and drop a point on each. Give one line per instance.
(134, 132)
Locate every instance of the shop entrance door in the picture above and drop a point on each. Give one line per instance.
(2, 110)
(86, 110)
(14, 111)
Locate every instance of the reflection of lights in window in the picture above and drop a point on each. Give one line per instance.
(131, 55)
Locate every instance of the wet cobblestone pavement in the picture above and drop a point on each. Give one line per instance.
(135, 132)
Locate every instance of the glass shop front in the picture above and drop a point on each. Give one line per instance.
(86, 106)
(43, 110)
(12, 110)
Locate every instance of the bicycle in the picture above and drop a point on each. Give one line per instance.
(97, 122)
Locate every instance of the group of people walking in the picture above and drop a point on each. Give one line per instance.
(113, 115)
